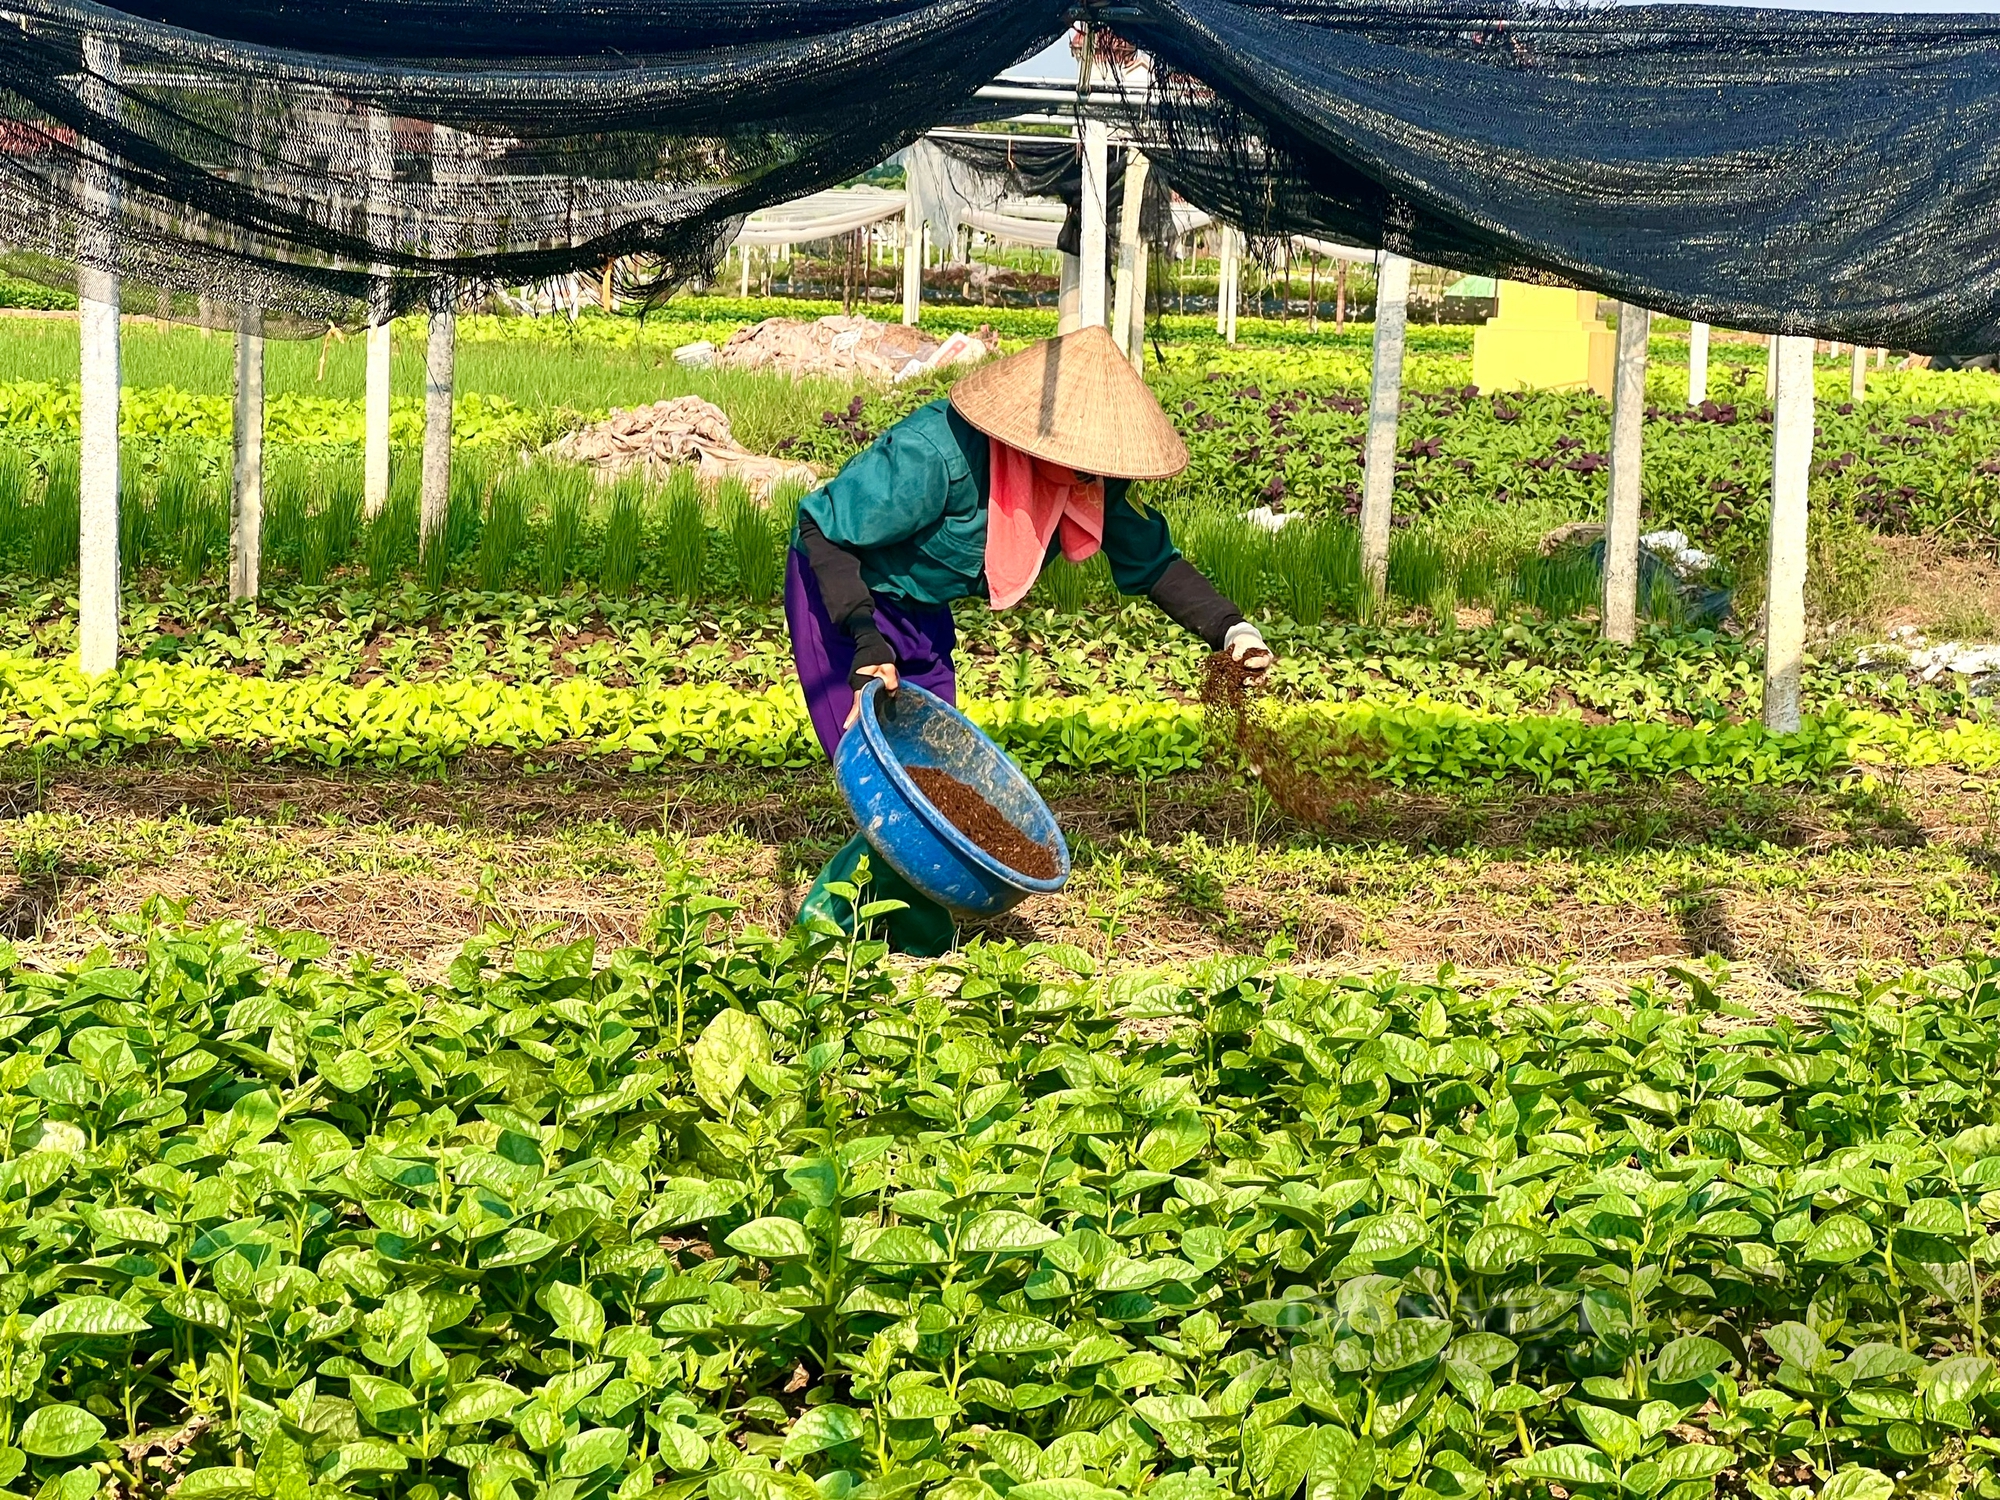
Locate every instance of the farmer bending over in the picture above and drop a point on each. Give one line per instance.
(1032, 454)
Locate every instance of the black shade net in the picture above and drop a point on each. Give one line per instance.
(1779, 171)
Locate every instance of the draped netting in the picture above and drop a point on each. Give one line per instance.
(523, 142)
(964, 179)
(1780, 171)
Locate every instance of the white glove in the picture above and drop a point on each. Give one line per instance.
(1245, 643)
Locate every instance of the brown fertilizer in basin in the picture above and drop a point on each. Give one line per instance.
(980, 821)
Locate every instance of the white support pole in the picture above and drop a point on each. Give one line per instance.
(1226, 239)
(375, 417)
(1771, 367)
(1096, 195)
(744, 290)
(1129, 247)
(914, 228)
(1233, 297)
(1069, 294)
(97, 326)
(246, 497)
(375, 403)
(1620, 612)
(439, 357)
(246, 488)
(1237, 281)
(1137, 347)
(1785, 589)
(1385, 399)
(1857, 379)
(1697, 363)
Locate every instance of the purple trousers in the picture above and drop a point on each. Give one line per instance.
(922, 638)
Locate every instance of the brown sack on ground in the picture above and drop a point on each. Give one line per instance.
(849, 347)
(685, 430)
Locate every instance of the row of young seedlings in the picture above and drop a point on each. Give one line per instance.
(542, 526)
(1310, 568)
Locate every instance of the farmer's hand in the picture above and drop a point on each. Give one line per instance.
(885, 674)
(1245, 643)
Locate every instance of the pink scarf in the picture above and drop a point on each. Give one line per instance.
(1031, 500)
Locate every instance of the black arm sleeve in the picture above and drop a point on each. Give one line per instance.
(846, 597)
(1192, 601)
(838, 573)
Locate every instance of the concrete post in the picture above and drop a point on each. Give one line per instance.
(439, 357)
(1857, 379)
(1697, 363)
(1096, 196)
(246, 496)
(1620, 611)
(1385, 399)
(913, 267)
(1129, 247)
(97, 326)
(1785, 590)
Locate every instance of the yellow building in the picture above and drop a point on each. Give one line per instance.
(1545, 338)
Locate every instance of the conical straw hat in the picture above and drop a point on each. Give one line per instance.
(1074, 401)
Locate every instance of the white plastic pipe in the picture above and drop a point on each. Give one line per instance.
(97, 327)
(1096, 196)
(1385, 400)
(1771, 367)
(914, 229)
(1785, 588)
(1697, 363)
(1621, 515)
(1857, 379)
(1129, 248)
(439, 358)
(246, 496)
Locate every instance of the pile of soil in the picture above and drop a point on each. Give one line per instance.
(982, 822)
(1311, 782)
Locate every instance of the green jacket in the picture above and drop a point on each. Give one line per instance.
(912, 508)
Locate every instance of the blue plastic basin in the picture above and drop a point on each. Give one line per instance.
(911, 727)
